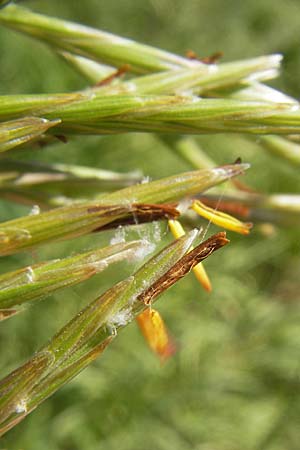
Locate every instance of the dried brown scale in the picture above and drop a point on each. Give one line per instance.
(117, 74)
(143, 213)
(243, 187)
(61, 138)
(6, 313)
(184, 265)
(227, 206)
(211, 59)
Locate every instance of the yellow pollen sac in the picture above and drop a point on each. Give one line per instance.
(176, 228)
(221, 219)
(155, 332)
(199, 270)
(201, 275)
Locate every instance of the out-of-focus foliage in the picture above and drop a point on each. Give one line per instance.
(234, 383)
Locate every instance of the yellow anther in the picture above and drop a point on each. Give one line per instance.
(155, 332)
(201, 275)
(199, 270)
(221, 219)
(176, 228)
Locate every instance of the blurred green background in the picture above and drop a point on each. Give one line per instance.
(234, 382)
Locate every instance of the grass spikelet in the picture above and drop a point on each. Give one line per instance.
(21, 131)
(126, 206)
(32, 283)
(89, 332)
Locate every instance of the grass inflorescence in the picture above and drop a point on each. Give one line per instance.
(133, 88)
